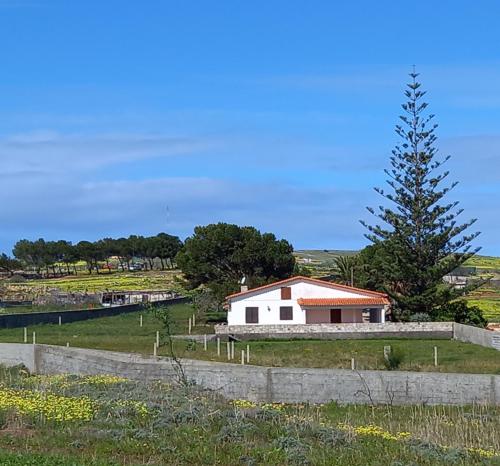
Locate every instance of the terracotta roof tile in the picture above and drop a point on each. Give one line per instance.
(343, 301)
(310, 280)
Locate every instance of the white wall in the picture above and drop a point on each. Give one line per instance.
(269, 302)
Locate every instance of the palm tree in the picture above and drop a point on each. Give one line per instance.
(344, 266)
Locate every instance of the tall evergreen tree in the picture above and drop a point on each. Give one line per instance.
(422, 238)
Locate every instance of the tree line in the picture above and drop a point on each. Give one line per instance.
(59, 257)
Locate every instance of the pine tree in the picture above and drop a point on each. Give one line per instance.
(423, 240)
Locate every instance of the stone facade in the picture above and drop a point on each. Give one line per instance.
(340, 331)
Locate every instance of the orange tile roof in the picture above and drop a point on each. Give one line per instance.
(342, 301)
(309, 280)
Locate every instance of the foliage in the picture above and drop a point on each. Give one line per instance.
(220, 255)
(345, 268)
(426, 242)
(135, 422)
(47, 255)
(9, 265)
(393, 359)
(462, 312)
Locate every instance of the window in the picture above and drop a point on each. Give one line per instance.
(286, 292)
(252, 315)
(286, 313)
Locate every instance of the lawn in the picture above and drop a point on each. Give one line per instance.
(117, 333)
(418, 355)
(104, 420)
(123, 333)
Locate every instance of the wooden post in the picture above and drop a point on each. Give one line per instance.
(157, 339)
(189, 326)
(60, 320)
(140, 321)
(248, 354)
(218, 346)
(436, 356)
(155, 349)
(34, 338)
(194, 320)
(232, 349)
(25, 335)
(242, 357)
(205, 342)
(353, 364)
(228, 351)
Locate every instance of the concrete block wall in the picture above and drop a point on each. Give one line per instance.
(264, 384)
(340, 331)
(478, 336)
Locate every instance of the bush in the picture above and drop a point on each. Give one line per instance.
(393, 360)
(420, 317)
(462, 313)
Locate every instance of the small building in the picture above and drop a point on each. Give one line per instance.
(304, 300)
(120, 298)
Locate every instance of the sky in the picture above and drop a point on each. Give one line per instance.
(136, 117)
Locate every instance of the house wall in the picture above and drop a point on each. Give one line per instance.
(321, 315)
(269, 302)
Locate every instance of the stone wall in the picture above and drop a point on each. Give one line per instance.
(264, 384)
(340, 331)
(478, 336)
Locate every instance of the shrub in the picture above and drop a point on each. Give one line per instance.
(420, 317)
(393, 359)
(462, 313)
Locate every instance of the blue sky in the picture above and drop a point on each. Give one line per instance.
(133, 117)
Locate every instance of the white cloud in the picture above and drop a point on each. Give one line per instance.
(53, 153)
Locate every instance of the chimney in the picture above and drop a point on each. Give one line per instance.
(244, 288)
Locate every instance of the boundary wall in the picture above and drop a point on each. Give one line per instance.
(266, 384)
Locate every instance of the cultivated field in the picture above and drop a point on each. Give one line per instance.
(122, 333)
(105, 420)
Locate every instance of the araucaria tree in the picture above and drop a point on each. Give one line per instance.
(422, 239)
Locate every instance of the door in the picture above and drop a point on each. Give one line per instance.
(335, 316)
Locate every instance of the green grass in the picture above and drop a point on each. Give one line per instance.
(418, 355)
(117, 333)
(489, 306)
(484, 262)
(122, 333)
(134, 423)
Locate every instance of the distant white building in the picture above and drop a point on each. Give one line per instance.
(304, 300)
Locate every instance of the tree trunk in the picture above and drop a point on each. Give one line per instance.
(162, 263)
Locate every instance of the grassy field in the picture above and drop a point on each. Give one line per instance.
(484, 262)
(418, 355)
(114, 281)
(104, 420)
(122, 333)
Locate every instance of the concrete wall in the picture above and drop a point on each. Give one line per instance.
(340, 331)
(266, 384)
(479, 336)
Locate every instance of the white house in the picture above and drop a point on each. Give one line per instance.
(304, 300)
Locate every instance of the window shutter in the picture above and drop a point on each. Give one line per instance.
(252, 315)
(286, 292)
(286, 313)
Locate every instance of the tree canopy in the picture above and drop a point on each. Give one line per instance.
(419, 240)
(220, 255)
(47, 255)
